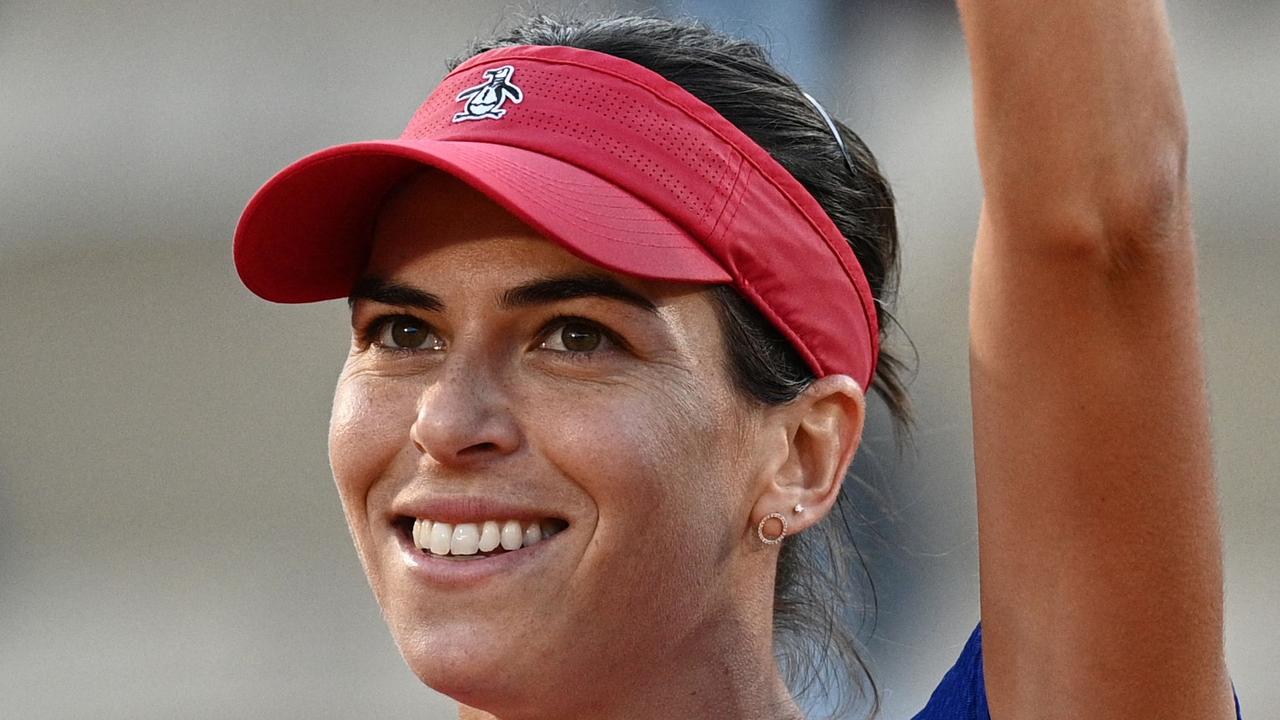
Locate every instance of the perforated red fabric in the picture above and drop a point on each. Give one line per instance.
(590, 117)
(609, 159)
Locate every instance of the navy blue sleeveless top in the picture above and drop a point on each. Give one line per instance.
(962, 695)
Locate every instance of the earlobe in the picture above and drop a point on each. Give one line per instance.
(823, 427)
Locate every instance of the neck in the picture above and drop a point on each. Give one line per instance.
(725, 671)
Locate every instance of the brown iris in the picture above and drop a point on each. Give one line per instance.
(408, 333)
(578, 337)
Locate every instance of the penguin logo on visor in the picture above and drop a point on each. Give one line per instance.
(484, 101)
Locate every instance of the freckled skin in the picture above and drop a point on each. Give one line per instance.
(649, 454)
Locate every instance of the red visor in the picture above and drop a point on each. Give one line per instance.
(607, 158)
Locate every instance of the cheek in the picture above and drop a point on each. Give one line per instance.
(663, 470)
(368, 428)
(634, 451)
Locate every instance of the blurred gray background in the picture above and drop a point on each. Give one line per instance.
(170, 545)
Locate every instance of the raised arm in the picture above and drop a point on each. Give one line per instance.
(1099, 540)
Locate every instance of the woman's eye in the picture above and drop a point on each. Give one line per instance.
(406, 333)
(577, 337)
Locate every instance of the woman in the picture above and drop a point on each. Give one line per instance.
(617, 294)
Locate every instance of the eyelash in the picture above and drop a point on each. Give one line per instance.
(370, 333)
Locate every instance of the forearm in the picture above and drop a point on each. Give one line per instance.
(1099, 542)
(1080, 124)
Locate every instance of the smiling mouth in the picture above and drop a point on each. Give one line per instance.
(476, 540)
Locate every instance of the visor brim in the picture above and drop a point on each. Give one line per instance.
(307, 233)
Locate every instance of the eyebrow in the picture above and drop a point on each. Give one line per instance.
(393, 293)
(542, 291)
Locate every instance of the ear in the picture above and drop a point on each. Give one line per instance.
(822, 427)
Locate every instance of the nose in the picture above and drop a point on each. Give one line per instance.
(464, 417)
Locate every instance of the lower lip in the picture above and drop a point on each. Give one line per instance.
(443, 570)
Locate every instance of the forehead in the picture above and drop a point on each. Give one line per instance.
(439, 236)
(434, 223)
(431, 212)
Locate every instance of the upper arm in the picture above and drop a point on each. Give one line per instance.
(1099, 543)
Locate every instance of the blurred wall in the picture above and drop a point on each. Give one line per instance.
(170, 545)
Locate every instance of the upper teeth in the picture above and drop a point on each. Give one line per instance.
(442, 538)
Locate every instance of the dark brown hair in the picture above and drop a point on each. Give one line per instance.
(815, 585)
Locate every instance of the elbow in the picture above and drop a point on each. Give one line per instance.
(1138, 196)
(1122, 218)
(1149, 217)
(1144, 204)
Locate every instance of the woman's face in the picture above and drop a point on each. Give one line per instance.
(492, 377)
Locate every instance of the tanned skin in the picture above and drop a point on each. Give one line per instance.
(1100, 547)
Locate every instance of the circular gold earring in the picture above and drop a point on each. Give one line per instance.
(775, 539)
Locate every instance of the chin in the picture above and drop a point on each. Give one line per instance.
(475, 665)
